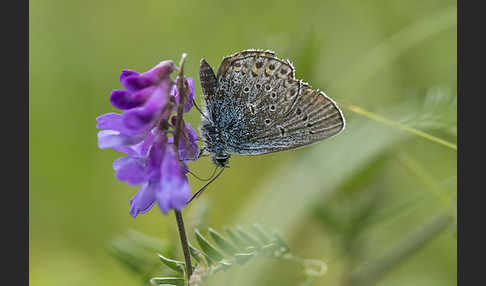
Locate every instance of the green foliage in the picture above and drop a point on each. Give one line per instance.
(136, 250)
(238, 248)
(215, 254)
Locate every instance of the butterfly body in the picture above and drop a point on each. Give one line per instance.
(254, 105)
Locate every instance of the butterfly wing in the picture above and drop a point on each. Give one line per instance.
(261, 108)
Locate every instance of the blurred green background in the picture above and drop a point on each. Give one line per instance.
(348, 201)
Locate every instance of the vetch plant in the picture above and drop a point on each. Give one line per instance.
(215, 252)
(142, 132)
(154, 140)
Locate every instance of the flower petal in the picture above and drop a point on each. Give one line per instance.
(160, 72)
(188, 148)
(114, 121)
(142, 118)
(129, 150)
(131, 170)
(189, 99)
(143, 201)
(112, 138)
(127, 73)
(152, 77)
(124, 99)
(173, 196)
(118, 163)
(174, 189)
(154, 161)
(111, 121)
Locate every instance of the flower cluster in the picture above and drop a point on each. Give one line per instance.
(145, 132)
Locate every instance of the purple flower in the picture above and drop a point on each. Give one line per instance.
(141, 132)
(189, 99)
(188, 149)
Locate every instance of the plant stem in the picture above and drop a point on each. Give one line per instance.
(177, 135)
(376, 117)
(184, 244)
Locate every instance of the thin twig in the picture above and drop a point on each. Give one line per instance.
(178, 131)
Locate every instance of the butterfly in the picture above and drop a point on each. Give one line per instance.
(254, 105)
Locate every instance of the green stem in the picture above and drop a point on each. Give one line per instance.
(177, 135)
(184, 244)
(379, 118)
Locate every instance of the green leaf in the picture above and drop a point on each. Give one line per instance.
(167, 281)
(197, 255)
(262, 235)
(243, 257)
(178, 266)
(222, 243)
(282, 245)
(235, 239)
(225, 264)
(207, 248)
(247, 237)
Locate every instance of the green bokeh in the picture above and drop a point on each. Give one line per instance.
(380, 55)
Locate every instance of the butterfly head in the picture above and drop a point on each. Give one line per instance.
(220, 160)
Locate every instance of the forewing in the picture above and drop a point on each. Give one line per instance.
(267, 109)
(312, 118)
(208, 81)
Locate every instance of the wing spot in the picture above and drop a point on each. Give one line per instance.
(258, 86)
(252, 109)
(282, 131)
(272, 107)
(246, 89)
(268, 87)
(309, 124)
(298, 111)
(271, 67)
(259, 65)
(267, 121)
(274, 95)
(304, 118)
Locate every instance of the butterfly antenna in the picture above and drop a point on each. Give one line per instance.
(205, 186)
(197, 177)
